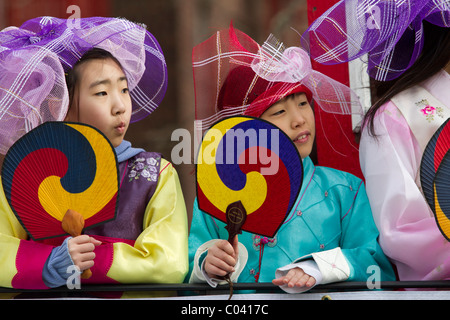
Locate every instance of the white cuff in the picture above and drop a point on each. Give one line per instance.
(199, 275)
(332, 265)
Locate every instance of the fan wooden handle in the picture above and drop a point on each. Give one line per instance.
(73, 224)
(235, 216)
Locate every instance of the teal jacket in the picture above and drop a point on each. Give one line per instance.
(332, 211)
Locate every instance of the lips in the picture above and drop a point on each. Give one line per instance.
(303, 137)
(121, 127)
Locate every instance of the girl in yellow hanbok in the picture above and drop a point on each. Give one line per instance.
(116, 74)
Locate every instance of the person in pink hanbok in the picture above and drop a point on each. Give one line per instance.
(408, 59)
(390, 161)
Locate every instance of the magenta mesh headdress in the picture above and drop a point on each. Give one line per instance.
(390, 31)
(34, 58)
(233, 75)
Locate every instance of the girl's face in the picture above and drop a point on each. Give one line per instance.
(103, 99)
(295, 117)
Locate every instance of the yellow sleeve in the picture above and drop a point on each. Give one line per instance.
(9, 225)
(10, 234)
(160, 253)
(21, 261)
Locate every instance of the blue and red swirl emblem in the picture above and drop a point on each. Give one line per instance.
(249, 160)
(59, 166)
(435, 177)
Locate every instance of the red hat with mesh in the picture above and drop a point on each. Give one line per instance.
(244, 87)
(234, 75)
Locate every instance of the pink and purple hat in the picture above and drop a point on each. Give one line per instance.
(35, 57)
(389, 31)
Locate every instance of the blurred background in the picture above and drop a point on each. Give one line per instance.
(179, 25)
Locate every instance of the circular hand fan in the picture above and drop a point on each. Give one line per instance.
(61, 177)
(435, 177)
(249, 172)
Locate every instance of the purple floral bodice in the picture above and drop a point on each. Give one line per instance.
(139, 177)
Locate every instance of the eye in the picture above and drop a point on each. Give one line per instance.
(125, 90)
(101, 93)
(278, 112)
(303, 103)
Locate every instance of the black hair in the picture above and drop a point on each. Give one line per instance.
(434, 57)
(73, 76)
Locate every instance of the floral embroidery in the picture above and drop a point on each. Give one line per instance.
(429, 111)
(146, 168)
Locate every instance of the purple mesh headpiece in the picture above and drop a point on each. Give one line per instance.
(390, 31)
(34, 58)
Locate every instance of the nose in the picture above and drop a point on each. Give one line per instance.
(118, 105)
(297, 119)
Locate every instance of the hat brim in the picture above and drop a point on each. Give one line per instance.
(276, 93)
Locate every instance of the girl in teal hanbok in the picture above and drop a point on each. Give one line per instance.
(329, 235)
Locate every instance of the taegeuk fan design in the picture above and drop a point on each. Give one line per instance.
(248, 173)
(57, 170)
(435, 177)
